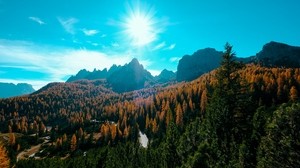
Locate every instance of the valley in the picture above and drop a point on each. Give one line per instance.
(67, 122)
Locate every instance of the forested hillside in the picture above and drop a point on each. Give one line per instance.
(235, 116)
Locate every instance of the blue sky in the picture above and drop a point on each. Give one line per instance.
(44, 41)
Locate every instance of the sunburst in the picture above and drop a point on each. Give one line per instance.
(140, 25)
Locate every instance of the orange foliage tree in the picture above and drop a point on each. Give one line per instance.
(4, 160)
(73, 144)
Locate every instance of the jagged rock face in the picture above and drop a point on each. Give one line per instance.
(191, 67)
(11, 90)
(130, 77)
(96, 74)
(166, 76)
(279, 54)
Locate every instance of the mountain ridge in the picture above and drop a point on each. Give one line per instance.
(192, 66)
(12, 90)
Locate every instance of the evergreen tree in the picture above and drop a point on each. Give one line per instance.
(224, 112)
(170, 153)
(281, 147)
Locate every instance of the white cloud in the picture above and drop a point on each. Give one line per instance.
(159, 46)
(162, 45)
(54, 61)
(90, 32)
(171, 47)
(37, 20)
(103, 35)
(68, 24)
(175, 59)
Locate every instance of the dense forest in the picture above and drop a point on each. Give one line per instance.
(235, 116)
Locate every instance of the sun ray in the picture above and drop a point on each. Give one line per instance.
(140, 25)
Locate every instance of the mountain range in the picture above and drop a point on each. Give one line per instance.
(11, 90)
(88, 116)
(133, 76)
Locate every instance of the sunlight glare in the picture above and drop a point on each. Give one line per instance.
(139, 27)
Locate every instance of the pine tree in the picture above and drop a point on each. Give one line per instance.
(170, 155)
(224, 108)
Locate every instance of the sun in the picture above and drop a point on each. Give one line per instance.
(140, 26)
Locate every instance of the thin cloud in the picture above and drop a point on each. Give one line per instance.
(37, 20)
(90, 32)
(159, 46)
(175, 59)
(57, 63)
(171, 47)
(68, 24)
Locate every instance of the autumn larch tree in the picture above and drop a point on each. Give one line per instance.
(293, 94)
(179, 115)
(12, 139)
(203, 102)
(73, 143)
(80, 134)
(4, 160)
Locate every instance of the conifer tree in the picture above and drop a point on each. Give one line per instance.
(223, 109)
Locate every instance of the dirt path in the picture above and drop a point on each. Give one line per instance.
(29, 152)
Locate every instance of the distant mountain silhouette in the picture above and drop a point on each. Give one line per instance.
(279, 54)
(131, 76)
(96, 74)
(192, 66)
(11, 90)
(272, 54)
(166, 76)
